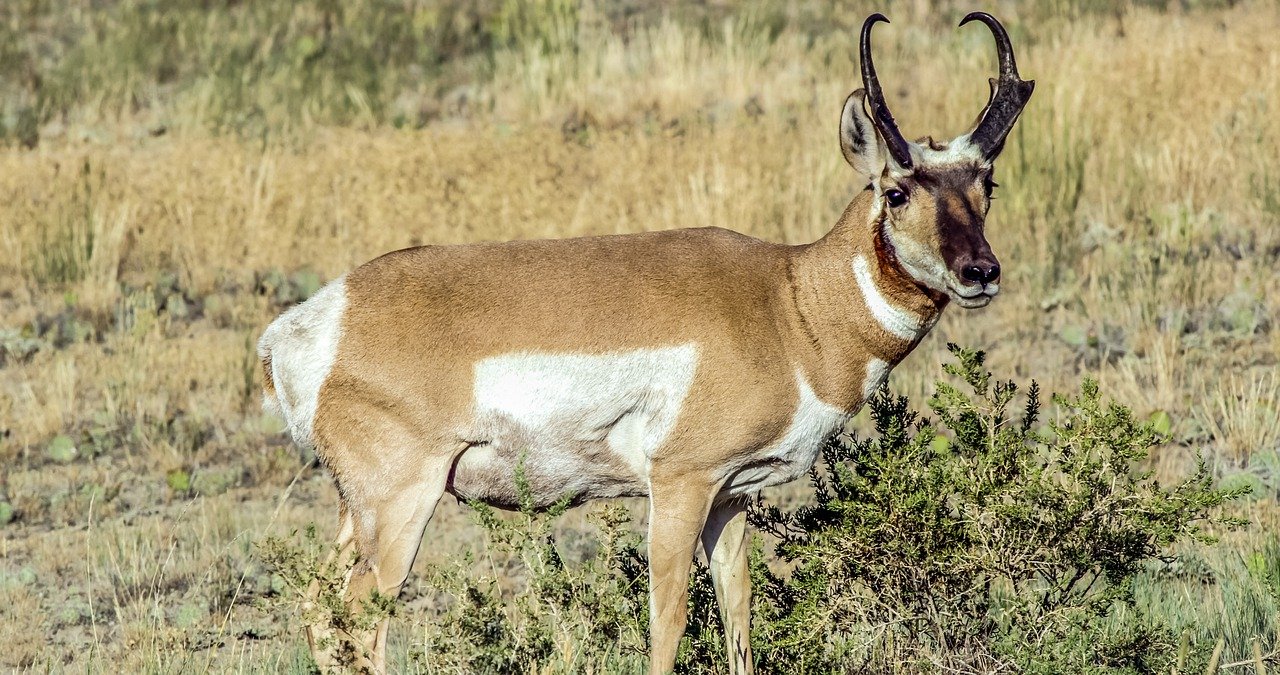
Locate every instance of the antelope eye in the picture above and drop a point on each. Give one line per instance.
(989, 186)
(895, 197)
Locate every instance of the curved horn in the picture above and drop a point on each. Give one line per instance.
(880, 115)
(1009, 94)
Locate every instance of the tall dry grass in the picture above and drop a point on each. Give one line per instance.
(147, 237)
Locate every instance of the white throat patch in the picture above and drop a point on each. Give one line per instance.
(877, 371)
(897, 321)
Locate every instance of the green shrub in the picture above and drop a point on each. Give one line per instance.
(301, 564)
(999, 545)
(542, 614)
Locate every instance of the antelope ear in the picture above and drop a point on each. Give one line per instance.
(859, 142)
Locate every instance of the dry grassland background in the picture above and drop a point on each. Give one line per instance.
(172, 177)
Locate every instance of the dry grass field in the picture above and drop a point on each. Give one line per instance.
(171, 178)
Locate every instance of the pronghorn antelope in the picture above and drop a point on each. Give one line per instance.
(694, 367)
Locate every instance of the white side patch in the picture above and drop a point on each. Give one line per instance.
(897, 321)
(630, 400)
(302, 344)
(877, 371)
(791, 456)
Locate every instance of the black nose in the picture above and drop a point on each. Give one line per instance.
(981, 272)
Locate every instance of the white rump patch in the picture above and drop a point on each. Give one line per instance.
(625, 401)
(897, 321)
(302, 344)
(877, 371)
(789, 457)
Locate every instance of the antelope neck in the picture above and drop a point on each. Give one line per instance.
(855, 308)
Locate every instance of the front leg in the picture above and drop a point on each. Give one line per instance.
(724, 539)
(677, 510)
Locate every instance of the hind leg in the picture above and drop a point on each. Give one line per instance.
(387, 524)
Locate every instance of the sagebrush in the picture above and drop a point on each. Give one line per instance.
(981, 539)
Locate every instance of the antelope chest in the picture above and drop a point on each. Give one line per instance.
(789, 456)
(575, 425)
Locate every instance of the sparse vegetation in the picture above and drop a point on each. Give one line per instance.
(174, 174)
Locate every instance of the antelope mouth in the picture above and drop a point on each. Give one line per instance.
(973, 297)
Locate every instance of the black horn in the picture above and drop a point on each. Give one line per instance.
(1009, 94)
(880, 115)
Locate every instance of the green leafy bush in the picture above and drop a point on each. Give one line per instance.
(541, 610)
(1002, 545)
(306, 568)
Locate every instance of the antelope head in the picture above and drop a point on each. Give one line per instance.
(931, 198)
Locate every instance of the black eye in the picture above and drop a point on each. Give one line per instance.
(989, 186)
(895, 197)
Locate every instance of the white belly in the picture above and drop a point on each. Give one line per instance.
(576, 425)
